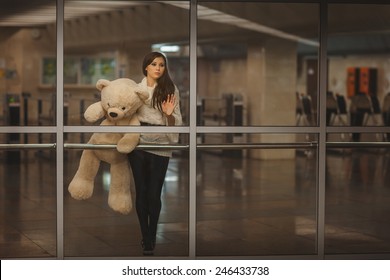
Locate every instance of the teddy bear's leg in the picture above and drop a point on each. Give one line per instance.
(81, 187)
(119, 196)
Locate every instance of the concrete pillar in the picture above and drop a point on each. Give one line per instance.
(130, 61)
(271, 74)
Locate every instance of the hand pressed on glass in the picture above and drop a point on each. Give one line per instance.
(169, 105)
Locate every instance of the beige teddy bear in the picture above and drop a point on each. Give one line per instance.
(119, 102)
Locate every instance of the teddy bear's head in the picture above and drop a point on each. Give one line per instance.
(120, 98)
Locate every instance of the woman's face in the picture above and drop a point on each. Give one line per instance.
(156, 69)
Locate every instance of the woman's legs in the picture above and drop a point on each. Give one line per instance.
(158, 166)
(138, 165)
(149, 173)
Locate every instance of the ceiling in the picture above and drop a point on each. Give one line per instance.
(352, 27)
(29, 13)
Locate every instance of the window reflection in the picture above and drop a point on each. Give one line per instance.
(358, 66)
(111, 41)
(356, 177)
(257, 65)
(27, 63)
(257, 62)
(92, 226)
(253, 204)
(28, 201)
(356, 194)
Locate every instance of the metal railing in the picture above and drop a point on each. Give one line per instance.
(234, 146)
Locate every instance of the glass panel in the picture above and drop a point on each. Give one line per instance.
(110, 42)
(27, 63)
(359, 69)
(27, 200)
(94, 229)
(357, 201)
(257, 201)
(254, 68)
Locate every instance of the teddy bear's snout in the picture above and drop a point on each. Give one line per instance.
(115, 114)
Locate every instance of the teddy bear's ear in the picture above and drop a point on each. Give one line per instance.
(100, 84)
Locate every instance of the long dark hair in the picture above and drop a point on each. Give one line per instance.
(165, 85)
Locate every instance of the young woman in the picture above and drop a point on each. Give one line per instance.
(150, 166)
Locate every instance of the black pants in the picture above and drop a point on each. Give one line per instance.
(149, 174)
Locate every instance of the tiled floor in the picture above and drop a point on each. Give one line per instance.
(245, 208)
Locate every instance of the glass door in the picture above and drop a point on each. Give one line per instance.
(282, 152)
(28, 158)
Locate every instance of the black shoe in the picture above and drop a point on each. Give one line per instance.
(147, 247)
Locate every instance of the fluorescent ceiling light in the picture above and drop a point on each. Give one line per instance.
(173, 48)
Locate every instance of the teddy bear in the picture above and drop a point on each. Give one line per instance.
(118, 104)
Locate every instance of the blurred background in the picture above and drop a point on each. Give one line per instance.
(291, 124)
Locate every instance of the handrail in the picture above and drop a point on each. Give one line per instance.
(201, 146)
(233, 146)
(113, 146)
(166, 147)
(358, 144)
(27, 146)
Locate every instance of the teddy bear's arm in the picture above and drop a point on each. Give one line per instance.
(129, 140)
(94, 112)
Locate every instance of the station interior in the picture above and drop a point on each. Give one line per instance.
(284, 148)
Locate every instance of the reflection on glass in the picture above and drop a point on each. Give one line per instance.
(109, 233)
(358, 66)
(110, 42)
(257, 70)
(256, 202)
(27, 64)
(357, 194)
(27, 201)
(49, 69)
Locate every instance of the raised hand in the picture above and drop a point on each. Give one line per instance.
(169, 105)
